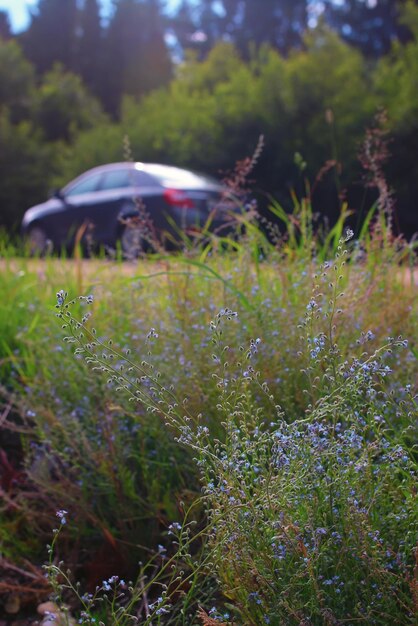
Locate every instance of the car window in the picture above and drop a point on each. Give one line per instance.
(169, 176)
(86, 185)
(116, 179)
(141, 179)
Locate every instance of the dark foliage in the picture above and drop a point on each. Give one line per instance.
(51, 36)
(135, 54)
(370, 26)
(246, 72)
(5, 30)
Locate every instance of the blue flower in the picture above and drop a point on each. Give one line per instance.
(62, 516)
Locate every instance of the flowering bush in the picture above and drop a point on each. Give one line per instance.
(309, 520)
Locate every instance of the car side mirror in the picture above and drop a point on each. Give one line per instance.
(57, 193)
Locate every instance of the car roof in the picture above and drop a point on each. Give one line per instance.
(164, 174)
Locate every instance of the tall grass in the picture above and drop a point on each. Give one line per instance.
(253, 379)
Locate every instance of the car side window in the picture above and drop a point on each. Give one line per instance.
(86, 185)
(116, 179)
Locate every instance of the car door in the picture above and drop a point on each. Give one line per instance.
(115, 191)
(77, 203)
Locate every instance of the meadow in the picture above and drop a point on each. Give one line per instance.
(222, 436)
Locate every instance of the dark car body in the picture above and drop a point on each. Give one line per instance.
(108, 200)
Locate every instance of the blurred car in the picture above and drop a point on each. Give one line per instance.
(135, 204)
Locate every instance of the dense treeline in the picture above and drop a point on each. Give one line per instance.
(310, 84)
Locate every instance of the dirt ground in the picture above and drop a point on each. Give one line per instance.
(88, 269)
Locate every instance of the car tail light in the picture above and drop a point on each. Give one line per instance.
(177, 198)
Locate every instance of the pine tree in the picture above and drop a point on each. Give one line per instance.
(184, 25)
(5, 30)
(280, 23)
(370, 26)
(90, 47)
(156, 67)
(51, 36)
(137, 58)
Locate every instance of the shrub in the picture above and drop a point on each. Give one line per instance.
(311, 520)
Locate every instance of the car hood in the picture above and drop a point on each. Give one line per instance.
(40, 210)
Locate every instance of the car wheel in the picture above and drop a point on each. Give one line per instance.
(37, 241)
(132, 241)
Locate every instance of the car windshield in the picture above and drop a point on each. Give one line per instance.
(176, 177)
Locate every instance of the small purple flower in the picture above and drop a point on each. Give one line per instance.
(61, 296)
(62, 516)
(173, 528)
(254, 597)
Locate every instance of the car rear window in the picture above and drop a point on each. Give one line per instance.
(142, 179)
(178, 178)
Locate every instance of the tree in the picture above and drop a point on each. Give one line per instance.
(5, 30)
(369, 25)
(280, 23)
(90, 47)
(17, 79)
(51, 36)
(157, 69)
(64, 106)
(184, 26)
(395, 83)
(137, 59)
(26, 167)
